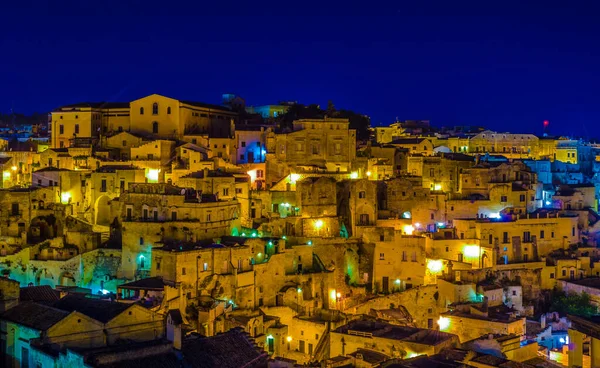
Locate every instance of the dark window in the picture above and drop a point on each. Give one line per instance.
(541, 234)
(505, 237)
(129, 214)
(362, 194)
(526, 237)
(155, 215)
(155, 128)
(15, 209)
(122, 185)
(141, 111)
(141, 241)
(76, 128)
(155, 109)
(243, 144)
(173, 216)
(503, 199)
(61, 129)
(169, 110)
(103, 185)
(522, 198)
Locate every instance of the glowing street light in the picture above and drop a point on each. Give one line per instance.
(435, 265)
(444, 323)
(408, 229)
(318, 224)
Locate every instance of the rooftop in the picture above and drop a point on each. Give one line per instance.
(394, 332)
(591, 282)
(233, 348)
(150, 283)
(100, 310)
(37, 316)
(38, 294)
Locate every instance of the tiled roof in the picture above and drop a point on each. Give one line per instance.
(207, 106)
(228, 350)
(38, 294)
(100, 310)
(156, 283)
(95, 105)
(37, 316)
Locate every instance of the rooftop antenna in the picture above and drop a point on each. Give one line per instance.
(546, 123)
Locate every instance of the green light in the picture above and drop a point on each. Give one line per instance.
(309, 242)
(243, 234)
(284, 237)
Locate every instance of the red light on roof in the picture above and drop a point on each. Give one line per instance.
(546, 122)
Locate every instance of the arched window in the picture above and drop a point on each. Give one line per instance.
(155, 109)
(141, 111)
(169, 110)
(155, 128)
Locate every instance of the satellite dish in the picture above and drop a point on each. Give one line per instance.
(183, 192)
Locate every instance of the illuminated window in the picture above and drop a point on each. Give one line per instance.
(155, 109)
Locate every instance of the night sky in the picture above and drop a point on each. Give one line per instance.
(506, 68)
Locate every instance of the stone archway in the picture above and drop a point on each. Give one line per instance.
(102, 211)
(66, 279)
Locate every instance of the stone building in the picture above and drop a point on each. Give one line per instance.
(521, 238)
(154, 213)
(326, 145)
(31, 330)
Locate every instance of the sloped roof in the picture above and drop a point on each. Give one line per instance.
(205, 105)
(231, 349)
(95, 105)
(38, 294)
(100, 310)
(37, 316)
(155, 283)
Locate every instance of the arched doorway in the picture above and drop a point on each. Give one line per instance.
(102, 210)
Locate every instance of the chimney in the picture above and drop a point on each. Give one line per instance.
(543, 321)
(484, 306)
(450, 268)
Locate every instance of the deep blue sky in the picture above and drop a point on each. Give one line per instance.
(505, 65)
